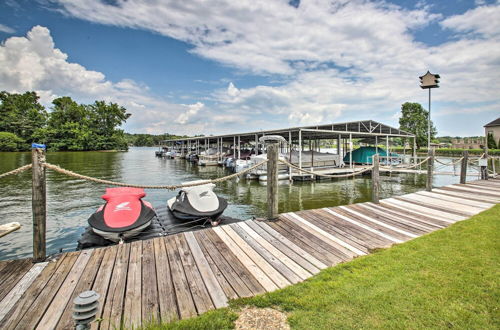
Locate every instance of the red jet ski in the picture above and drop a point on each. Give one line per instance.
(124, 215)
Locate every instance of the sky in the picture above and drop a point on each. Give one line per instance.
(222, 66)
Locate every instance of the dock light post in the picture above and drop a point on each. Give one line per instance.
(429, 81)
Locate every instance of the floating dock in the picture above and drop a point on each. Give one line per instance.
(183, 275)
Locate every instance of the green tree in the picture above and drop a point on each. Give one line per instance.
(414, 120)
(68, 126)
(491, 142)
(22, 115)
(10, 142)
(105, 118)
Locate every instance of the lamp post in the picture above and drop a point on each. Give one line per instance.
(429, 81)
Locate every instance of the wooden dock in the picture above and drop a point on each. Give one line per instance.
(183, 275)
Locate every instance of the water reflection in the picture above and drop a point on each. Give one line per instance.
(71, 201)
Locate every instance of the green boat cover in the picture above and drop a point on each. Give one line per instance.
(363, 155)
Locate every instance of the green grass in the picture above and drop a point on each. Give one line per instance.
(447, 279)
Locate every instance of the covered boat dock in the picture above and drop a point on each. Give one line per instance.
(304, 140)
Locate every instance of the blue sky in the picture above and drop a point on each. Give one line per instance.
(218, 67)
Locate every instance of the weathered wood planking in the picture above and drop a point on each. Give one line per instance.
(186, 274)
(8, 228)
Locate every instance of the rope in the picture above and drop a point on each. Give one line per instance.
(169, 187)
(16, 171)
(450, 164)
(406, 167)
(325, 175)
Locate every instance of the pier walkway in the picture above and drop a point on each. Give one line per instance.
(183, 275)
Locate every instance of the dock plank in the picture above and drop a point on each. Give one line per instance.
(239, 277)
(12, 274)
(166, 291)
(464, 194)
(37, 310)
(420, 227)
(258, 273)
(323, 222)
(229, 292)
(64, 293)
(304, 239)
(307, 267)
(23, 304)
(448, 217)
(338, 244)
(201, 298)
(361, 240)
(287, 274)
(113, 308)
(254, 255)
(85, 283)
(103, 278)
(394, 230)
(404, 226)
(183, 295)
(406, 216)
(20, 288)
(412, 214)
(359, 228)
(459, 200)
(214, 289)
(132, 310)
(149, 304)
(8, 228)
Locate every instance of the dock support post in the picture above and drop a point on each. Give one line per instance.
(272, 179)
(300, 150)
(375, 179)
(415, 150)
(430, 170)
(350, 151)
(463, 168)
(39, 201)
(290, 155)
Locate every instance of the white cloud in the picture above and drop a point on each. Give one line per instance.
(355, 59)
(33, 63)
(190, 112)
(6, 29)
(483, 20)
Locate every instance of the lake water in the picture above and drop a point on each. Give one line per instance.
(71, 201)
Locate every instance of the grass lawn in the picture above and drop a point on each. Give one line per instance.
(447, 279)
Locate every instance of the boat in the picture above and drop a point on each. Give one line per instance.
(197, 203)
(123, 216)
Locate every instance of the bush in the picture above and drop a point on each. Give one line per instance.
(10, 142)
(491, 142)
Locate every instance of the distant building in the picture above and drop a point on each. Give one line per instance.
(468, 143)
(494, 129)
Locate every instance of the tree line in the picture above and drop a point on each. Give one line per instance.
(69, 126)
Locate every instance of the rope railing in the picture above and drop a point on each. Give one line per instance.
(167, 187)
(451, 163)
(16, 171)
(406, 167)
(325, 175)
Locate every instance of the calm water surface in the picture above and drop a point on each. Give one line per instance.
(71, 201)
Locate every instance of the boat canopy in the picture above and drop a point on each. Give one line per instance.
(363, 155)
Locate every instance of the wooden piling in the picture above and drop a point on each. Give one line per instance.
(272, 181)
(375, 179)
(430, 170)
(38, 203)
(463, 168)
